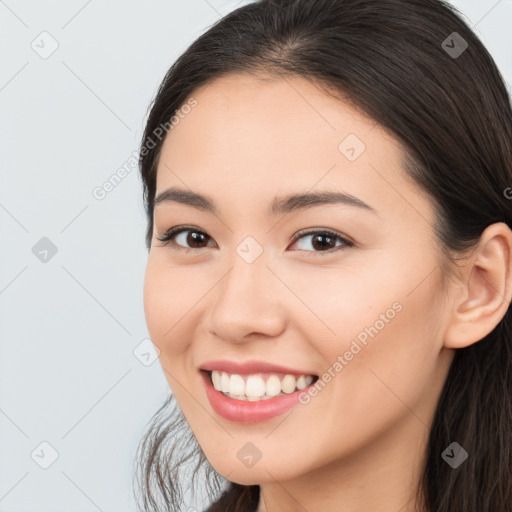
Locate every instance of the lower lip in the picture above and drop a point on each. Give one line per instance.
(244, 411)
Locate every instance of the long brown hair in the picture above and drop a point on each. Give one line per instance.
(418, 69)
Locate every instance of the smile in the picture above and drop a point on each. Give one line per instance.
(259, 386)
(251, 398)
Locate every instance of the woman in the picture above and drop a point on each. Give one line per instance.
(328, 191)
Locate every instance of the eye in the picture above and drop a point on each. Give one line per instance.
(321, 240)
(197, 236)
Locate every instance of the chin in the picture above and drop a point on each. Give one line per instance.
(263, 471)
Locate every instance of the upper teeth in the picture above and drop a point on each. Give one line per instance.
(255, 386)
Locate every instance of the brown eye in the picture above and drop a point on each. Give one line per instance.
(189, 238)
(323, 241)
(195, 238)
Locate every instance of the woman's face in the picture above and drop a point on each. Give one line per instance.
(361, 307)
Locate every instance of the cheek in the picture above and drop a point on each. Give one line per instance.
(389, 353)
(153, 302)
(339, 303)
(373, 321)
(164, 307)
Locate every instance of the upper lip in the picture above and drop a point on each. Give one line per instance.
(249, 367)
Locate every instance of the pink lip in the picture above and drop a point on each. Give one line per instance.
(249, 367)
(246, 412)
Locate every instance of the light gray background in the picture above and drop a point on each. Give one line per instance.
(70, 325)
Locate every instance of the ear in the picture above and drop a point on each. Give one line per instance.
(485, 289)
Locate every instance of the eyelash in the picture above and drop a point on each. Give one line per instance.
(170, 234)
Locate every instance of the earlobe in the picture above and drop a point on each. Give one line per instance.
(487, 289)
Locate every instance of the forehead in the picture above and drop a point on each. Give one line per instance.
(262, 137)
(273, 114)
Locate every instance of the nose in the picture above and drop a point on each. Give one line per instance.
(248, 301)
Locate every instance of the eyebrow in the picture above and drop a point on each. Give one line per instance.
(280, 205)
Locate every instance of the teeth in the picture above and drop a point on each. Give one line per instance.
(288, 384)
(224, 382)
(216, 380)
(301, 382)
(273, 386)
(236, 385)
(255, 387)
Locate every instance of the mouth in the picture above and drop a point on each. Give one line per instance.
(255, 397)
(258, 386)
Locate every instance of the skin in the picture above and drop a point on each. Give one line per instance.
(359, 444)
